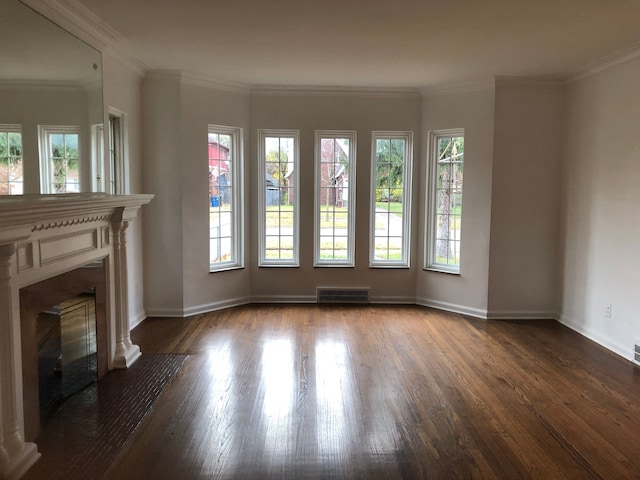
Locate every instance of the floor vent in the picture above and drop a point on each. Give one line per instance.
(342, 295)
(636, 353)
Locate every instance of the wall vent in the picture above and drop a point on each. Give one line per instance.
(342, 295)
(636, 353)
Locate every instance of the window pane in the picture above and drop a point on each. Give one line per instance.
(335, 169)
(447, 158)
(390, 171)
(61, 161)
(11, 180)
(278, 239)
(224, 214)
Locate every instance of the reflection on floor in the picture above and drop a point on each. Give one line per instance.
(305, 392)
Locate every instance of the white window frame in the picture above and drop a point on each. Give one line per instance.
(432, 229)
(237, 199)
(351, 198)
(97, 157)
(403, 262)
(263, 261)
(14, 128)
(44, 131)
(118, 165)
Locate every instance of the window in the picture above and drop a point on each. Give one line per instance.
(11, 175)
(278, 198)
(59, 159)
(335, 198)
(118, 152)
(97, 158)
(390, 198)
(225, 198)
(446, 149)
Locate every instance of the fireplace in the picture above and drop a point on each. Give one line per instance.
(63, 333)
(47, 246)
(67, 355)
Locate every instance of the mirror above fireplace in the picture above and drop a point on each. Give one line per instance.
(49, 81)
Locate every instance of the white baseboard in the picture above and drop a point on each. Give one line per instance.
(136, 320)
(165, 312)
(452, 307)
(197, 309)
(392, 300)
(283, 299)
(213, 306)
(521, 315)
(609, 344)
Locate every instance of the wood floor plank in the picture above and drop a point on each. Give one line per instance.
(383, 392)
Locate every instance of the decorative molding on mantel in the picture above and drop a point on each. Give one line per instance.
(69, 222)
(35, 210)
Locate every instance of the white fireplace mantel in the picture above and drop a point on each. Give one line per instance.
(42, 236)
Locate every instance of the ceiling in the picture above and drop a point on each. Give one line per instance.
(370, 43)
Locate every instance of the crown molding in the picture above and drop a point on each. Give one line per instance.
(460, 88)
(81, 22)
(165, 74)
(127, 59)
(310, 90)
(195, 80)
(186, 78)
(615, 59)
(553, 81)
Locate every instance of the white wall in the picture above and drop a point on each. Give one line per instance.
(472, 110)
(201, 106)
(326, 111)
(527, 161)
(123, 90)
(600, 263)
(162, 221)
(178, 112)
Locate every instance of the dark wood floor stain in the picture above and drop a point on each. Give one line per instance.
(382, 392)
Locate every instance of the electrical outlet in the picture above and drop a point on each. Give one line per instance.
(608, 311)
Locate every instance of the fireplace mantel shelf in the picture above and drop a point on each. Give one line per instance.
(28, 210)
(42, 236)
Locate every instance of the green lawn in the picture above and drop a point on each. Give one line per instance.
(279, 216)
(282, 216)
(393, 207)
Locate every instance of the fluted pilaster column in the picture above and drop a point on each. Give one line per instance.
(126, 352)
(16, 456)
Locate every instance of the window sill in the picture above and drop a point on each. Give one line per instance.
(227, 268)
(279, 265)
(388, 265)
(442, 270)
(333, 265)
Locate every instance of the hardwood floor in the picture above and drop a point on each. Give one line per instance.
(383, 392)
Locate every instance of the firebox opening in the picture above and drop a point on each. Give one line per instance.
(67, 351)
(63, 323)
